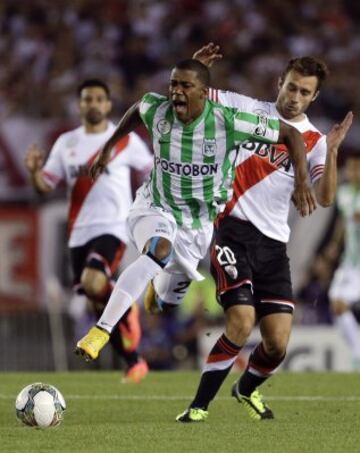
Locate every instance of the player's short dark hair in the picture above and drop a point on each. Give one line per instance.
(91, 83)
(307, 66)
(201, 70)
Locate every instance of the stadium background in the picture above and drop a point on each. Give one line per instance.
(45, 52)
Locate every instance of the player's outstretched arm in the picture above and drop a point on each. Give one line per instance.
(208, 54)
(303, 197)
(325, 187)
(34, 160)
(130, 121)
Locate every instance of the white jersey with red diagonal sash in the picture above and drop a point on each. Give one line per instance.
(264, 180)
(101, 206)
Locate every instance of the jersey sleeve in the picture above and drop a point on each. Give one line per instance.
(148, 106)
(141, 158)
(232, 99)
(260, 128)
(317, 158)
(53, 171)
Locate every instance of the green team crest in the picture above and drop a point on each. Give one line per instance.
(209, 147)
(163, 126)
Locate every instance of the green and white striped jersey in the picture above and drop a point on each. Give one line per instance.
(194, 163)
(348, 202)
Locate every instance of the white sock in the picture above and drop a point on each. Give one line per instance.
(128, 288)
(349, 329)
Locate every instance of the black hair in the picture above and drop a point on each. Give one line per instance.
(307, 66)
(201, 70)
(90, 83)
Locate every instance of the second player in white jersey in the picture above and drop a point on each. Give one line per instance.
(97, 212)
(264, 179)
(101, 206)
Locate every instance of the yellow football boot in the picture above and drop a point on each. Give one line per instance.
(93, 342)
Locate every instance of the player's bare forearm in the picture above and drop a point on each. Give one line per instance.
(295, 144)
(325, 187)
(130, 121)
(303, 196)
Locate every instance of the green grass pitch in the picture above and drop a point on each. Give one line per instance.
(315, 412)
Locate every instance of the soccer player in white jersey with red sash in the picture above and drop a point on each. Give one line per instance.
(98, 210)
(195, 145)
(248, 254)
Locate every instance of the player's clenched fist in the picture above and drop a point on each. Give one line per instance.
(304, 199)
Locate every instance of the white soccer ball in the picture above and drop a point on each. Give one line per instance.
(40, 405)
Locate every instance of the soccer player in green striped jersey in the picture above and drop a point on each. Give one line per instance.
(195, 145)
(345, 288)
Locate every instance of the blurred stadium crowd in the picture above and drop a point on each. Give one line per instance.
(45, 51)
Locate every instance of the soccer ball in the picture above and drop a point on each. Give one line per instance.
(40, 405)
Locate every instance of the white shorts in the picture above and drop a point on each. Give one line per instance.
(346, 285)
(189, 246)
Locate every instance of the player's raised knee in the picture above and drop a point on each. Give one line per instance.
(159, 249)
